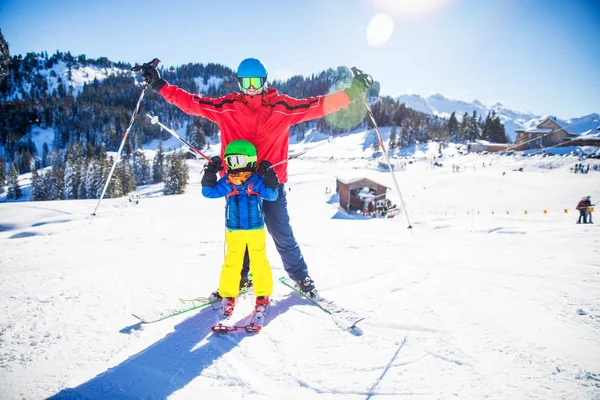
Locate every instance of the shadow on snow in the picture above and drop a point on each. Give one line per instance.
(171, 363)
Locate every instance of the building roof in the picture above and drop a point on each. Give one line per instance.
(354, 180)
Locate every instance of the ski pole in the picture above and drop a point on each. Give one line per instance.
(152, 63)
(360, 74)
(329, 140)
(154, 120)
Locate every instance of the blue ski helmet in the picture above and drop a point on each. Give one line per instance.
(251, 68)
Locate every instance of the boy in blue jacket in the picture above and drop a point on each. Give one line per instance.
(244, 191)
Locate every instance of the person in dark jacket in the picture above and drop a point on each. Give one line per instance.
(582, 206)
(244, 191)
(263, 116)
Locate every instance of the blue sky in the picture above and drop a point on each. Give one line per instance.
(532, 55)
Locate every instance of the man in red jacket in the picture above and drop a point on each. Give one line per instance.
(263, 117)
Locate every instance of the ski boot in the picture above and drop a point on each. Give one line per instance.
(307, 286)
(260, 311)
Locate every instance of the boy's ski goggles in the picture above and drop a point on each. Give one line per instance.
(239, 161)
(257, 83)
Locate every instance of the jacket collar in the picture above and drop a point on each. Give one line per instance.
(259, 99)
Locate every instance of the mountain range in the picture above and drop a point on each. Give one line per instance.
(513, 120)
(75, 75)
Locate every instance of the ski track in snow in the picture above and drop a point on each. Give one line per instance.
(463, 306)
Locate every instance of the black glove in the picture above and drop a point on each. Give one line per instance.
(358, 87)
(269, 174)
(210, 172)
(150, 74)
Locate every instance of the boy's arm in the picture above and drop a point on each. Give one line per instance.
(221, 189)
(268, 187)
(212, 188)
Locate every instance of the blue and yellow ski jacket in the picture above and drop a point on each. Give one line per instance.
(244, 209)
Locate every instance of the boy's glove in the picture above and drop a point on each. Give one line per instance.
(151, 75)
(269, 174)
(210, 172)
(358, 87)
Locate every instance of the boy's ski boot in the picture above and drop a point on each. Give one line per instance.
(260, 311)
(228, 303)
(245, 283)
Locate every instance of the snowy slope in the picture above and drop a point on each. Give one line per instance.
(465, 305)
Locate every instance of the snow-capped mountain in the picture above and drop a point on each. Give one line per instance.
(72, 73)
(442, 106)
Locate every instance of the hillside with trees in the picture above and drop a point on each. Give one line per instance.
(89, 116)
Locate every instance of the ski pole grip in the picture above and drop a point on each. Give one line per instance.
(154, 63)
(361, 75)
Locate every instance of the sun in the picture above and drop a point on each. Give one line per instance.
(379, 30)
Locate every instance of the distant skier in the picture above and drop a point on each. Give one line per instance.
(582, 206)
(244, 190)
(264, 117)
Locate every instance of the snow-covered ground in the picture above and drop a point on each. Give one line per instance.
(466, 305)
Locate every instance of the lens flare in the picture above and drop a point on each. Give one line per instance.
(411, 8)
(380, 29)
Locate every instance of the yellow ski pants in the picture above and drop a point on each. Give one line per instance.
(262, 279)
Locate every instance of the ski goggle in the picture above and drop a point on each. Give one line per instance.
(239, 161)
(257, 83)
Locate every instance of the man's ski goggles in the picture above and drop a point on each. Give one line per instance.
(257, 83)
(239, 161)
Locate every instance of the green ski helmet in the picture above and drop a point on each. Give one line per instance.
(240, 155)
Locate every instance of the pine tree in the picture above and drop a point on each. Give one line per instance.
(157, 165)
(73, 172)
(93, 180)
(486, 129)
(141, 169)
(464, 126)
(393, 141)
(375, 145)
(498, 131)
(473, 128)
(176, 175)
(453, 128)
(404, 134)
(4, 58)
(2, 175)
(196, 135)
(37, 191)
(14, 190)
(126, 176)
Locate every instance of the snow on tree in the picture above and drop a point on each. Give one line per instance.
(73, 171)
(14, 190)
(141, 169)
(157, 165)
(393, 141)
(2, 174)
(176, 175)
(93, 180)
(37, 191)
(453, 128)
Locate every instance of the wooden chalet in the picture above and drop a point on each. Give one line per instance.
(352, 193)
(547, 133)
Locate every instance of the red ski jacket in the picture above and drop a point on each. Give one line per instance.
(264, 120)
